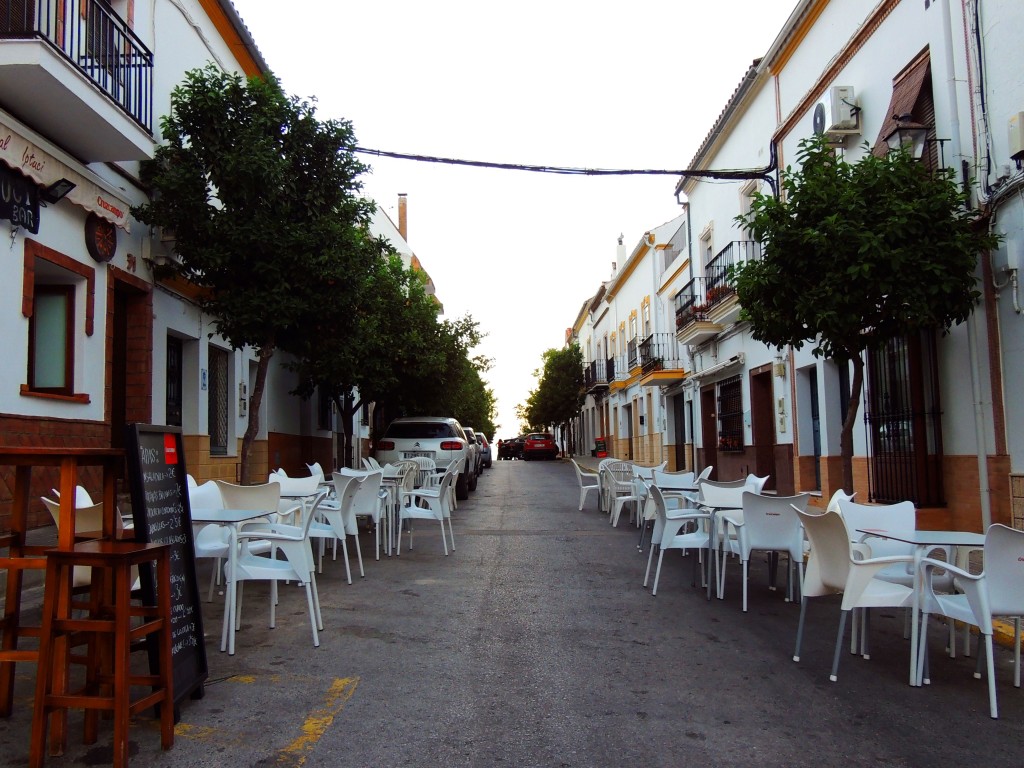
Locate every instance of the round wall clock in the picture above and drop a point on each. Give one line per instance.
(100, 238)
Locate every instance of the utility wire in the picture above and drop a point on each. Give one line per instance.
(737, 174)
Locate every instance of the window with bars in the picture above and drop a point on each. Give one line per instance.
(730, 415)
(217, 401)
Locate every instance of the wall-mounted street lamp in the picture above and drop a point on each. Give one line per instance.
(907, 134)
(57, 190)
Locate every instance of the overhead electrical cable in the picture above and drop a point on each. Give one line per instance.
(730, 174)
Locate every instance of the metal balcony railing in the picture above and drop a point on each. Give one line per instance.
(691, 304)
(716, 272)
(660, 351)
(96, 41)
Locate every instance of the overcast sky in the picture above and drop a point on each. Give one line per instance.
(563, 83)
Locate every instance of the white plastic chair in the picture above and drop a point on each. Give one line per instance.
(604, 494)
(87, 520)
(833, 569)
(588, 481)
(618, 481)
(82, 497)
(428, 504)
(315, 469)
(370, 501)
(427, 467)
(339, 519)
(209, 541)
(293, 542)
(995, 592)
(669, 534)
(768, 524)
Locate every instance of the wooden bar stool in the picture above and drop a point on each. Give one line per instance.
(108, 632)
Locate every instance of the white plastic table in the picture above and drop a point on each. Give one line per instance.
(923, 542)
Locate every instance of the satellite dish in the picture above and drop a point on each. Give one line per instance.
(819, 119)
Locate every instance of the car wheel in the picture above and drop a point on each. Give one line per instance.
(472, 481)
(462, 487)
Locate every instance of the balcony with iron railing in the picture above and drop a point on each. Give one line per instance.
(693, 325)
(719, 288)
(47, 47)
(594, 377)
(661, 360)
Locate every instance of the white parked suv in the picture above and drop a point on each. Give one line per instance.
(433, 437)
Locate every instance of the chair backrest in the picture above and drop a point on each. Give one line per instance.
(771, 522)
(840, 495)
(893, 517)
(621, 471)
(727, 495)
(443, 494)
(316, 469)
(374, 464)
(87, 519)
(673, 480)
(829, 563)
(205, 496)
(82, 497)
(1004, 570)
(367, 498)
(705, 473)
(755, 483)
(426, 465)
(346, 486)
(265, 497)
(580, 473)
(297, 486)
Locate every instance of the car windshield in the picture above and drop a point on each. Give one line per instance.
(540, 436)
(425, 430)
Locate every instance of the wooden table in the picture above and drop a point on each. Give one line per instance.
(20, 556)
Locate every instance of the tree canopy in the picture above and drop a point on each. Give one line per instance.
(560, 389)
(261, 198)
(856, 254)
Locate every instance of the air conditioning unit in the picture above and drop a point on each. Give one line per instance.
(837, 114)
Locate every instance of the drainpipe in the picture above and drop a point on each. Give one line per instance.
(984, 492)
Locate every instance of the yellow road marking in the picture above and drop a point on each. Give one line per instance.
(318, 721)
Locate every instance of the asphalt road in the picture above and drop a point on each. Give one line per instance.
(534, 644)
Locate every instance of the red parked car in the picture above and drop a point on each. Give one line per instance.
(540, 445)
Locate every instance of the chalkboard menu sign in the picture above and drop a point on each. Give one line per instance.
(159, 490)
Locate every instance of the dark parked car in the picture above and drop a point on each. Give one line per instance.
(509, 449)
(540, 445)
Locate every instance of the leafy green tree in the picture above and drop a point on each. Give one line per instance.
(560, 390)
(363, 351)
(857, 254)
(261, 198)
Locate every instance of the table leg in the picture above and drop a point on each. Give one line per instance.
(227, 635)
(915, 620)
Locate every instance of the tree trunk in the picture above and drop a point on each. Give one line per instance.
(255, 401)
(348, 408)
(846, 436)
